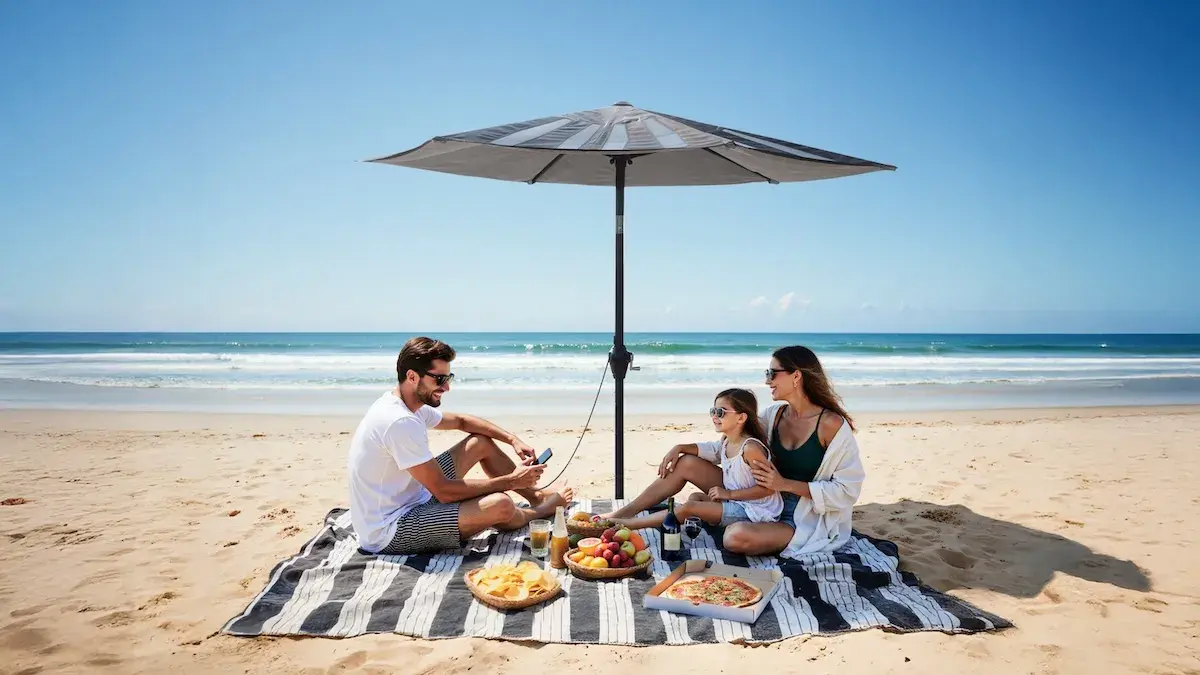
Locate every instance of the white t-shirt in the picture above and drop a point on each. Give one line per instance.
(389, 440)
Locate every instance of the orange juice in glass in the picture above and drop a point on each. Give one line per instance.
(539, 538)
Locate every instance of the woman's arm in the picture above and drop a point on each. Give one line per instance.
(842, 489)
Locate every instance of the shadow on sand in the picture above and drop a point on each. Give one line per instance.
(951, 547)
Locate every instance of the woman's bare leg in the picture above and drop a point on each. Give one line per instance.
(689, 469)
(757, 538)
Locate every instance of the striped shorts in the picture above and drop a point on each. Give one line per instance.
(427, 527)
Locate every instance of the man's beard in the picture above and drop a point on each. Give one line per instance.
(425, 395)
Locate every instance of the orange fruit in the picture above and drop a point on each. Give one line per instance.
(588, 546)
(638, 543)
(577, 556)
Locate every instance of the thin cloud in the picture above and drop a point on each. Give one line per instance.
(786, 301)
(759, 301)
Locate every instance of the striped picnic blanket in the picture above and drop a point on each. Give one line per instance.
(333, 589)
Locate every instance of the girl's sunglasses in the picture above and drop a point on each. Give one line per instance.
(720, 413)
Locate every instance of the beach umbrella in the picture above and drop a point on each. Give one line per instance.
(623, 146)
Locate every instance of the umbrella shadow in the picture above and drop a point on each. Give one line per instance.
(951, 547)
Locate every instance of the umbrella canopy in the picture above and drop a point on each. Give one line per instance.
(577, 148)
(622, 145)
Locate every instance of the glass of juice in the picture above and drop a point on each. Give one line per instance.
(539, 538)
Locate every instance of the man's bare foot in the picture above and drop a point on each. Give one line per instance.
(563, 494)
(553, 497)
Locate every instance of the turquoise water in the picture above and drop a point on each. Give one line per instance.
(46, 367)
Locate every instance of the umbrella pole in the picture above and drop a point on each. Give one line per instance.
(620, 358)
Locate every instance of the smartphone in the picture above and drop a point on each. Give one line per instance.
(544, 457)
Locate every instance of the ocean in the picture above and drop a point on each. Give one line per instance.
(553, 373)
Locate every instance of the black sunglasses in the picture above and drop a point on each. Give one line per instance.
(440, 379)
(770, 373)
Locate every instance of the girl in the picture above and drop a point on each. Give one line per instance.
(739, 498)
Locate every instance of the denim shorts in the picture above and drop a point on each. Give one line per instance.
(789, 507)
(733, 512)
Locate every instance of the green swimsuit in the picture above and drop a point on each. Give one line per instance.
(799, 464)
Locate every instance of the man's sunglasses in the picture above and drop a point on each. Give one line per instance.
(441, 379)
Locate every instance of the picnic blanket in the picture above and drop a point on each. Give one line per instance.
(331, 588)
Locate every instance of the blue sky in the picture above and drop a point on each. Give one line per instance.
(197, 166)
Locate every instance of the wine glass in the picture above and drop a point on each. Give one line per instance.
(692, 527)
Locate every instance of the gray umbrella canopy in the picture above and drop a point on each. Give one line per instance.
(577, 148)
(622, 145)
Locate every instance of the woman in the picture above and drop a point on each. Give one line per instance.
(815, 465)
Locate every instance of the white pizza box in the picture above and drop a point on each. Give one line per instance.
(768, 581)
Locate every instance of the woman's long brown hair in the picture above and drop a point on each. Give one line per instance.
(814, 381)
(744, 401)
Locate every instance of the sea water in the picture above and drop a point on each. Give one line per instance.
(556, 373)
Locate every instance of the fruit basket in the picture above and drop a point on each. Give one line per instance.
(587, 572)
(616, 548)
(516, 591)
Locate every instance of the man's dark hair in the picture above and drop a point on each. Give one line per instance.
(419, 353)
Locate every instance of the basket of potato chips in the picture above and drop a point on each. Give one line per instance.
(508, 586)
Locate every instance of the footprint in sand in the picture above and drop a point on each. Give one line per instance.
(18, 613)
(19, 637)
(1150, 605)
(114, 620)
(158, 600)
(956, 559)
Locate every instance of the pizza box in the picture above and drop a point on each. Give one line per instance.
(768, 581)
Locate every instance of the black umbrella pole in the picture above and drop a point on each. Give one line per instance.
(620, 358)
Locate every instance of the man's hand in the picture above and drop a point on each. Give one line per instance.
(525, 453)
(526, 476)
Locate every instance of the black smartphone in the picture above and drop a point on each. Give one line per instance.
(544, 457)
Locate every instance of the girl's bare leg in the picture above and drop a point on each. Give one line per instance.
(689, 469)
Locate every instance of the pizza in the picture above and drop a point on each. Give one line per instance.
(714, 590)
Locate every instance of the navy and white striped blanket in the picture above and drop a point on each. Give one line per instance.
(332, 589)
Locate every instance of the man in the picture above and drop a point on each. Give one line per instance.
(403, 500)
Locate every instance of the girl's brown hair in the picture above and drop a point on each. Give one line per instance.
(744, 401)
(815, 383)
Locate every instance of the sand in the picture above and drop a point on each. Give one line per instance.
(142, 533)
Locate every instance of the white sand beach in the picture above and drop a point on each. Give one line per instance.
(140, 534)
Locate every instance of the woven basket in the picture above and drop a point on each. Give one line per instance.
(603, 572)
(587, 529)
(503, 603)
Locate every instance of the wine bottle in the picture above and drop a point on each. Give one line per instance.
(671, 540)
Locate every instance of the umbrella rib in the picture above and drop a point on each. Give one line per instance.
(546, 168)
(738, 165)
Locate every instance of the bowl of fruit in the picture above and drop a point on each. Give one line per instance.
(587, 525)
(617, 552)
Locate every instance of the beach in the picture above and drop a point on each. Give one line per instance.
(129, 538)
